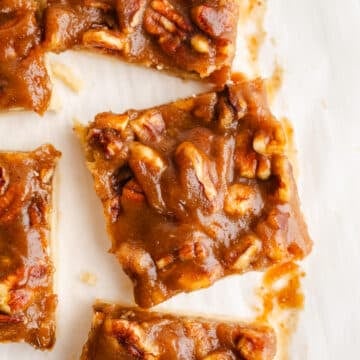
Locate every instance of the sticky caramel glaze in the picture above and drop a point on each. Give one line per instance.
(195, 39)
(128, 333)
(27, 301)
(286, 297)
(196, 190)
(24, 81)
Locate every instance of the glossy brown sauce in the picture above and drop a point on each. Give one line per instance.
(27, 301)
(196, 190)
(282, 300)
(129, 333)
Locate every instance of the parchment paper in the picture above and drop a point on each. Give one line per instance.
(317, 43)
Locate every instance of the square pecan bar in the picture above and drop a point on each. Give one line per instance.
(191, 38)
(24, 81)
(128, 333)
(27, 301)
(196, 190)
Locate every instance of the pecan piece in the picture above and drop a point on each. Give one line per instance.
(135, 260)
(148, 166)
(149, 126)
(270, 144)
(248, 256)
(187, 155)
(242, 199)
(132, 338)
(107, 140)
(200, 44)
(281, 168)
(130, 13)
(255, 345)
(104, 39)
(213, 21)
(169, 26)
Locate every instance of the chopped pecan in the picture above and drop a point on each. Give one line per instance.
(148, 156)
(148, 166)
(225, 114)
(281, 169)
(213, 21)
(130, 13)
(242, 199)
(245, 157)
(104, 39)
(263, 170)
(200, 44)
(111, 120)
(46, 175)
(134, 259)
(133, 338)
(193, 250)
(201, 279)
(256, 345)
(149, 126)
(107, 140)
(270, 144)
(245, 259)
(165, 261)
(167, 24)
(188, 155)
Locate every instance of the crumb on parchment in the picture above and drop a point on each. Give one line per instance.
(88, 278)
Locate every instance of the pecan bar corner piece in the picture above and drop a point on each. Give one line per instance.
(191, 39)
(24, 80)
(129, 333)
(27, 300)
(196, 190)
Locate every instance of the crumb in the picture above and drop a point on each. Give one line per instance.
(66, 75)
(273, 41)
(324, 104)
(88, 278)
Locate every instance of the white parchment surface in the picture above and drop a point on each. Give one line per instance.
(317, 42)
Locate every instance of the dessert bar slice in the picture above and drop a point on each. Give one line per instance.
(190, 38)
(127, 333)
(24, 81)
(196, 190)
(27, 301)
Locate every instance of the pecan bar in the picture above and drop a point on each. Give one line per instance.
(24, 81)
(127, 333)
(27, 301)
(195, 38)
(196, 190)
